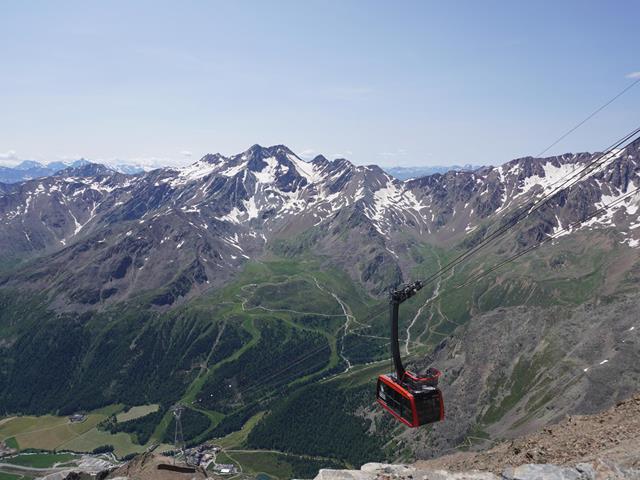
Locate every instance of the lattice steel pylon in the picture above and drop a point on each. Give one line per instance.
(178, 439)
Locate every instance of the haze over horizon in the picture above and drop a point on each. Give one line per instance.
(150, 84)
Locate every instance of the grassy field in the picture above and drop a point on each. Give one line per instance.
(222, 457)
(272, 464)
(137, 412)
(122, 442)
(12, 443)
(40, 460)
(237, 439)
(276, 465)
(11, 476)
(50, 432)
(24, 425)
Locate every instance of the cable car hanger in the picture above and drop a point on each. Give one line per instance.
(412, 398)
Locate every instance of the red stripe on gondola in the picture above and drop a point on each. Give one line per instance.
(398, 388)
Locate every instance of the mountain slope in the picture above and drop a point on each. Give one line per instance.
(610, 435)
(514, 370)
(166, 285)
(580, 447)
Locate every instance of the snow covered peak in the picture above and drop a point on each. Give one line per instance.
(260, 151)
(267, 165)
(213, 158)
(28, 164)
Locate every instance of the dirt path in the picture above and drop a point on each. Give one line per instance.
(205, 365)
(433, 296)
(349, 318)
(6, 420)
(21, 469)
(276, 310)
(437, 308)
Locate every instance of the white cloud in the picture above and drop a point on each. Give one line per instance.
(345, 154)
(186, 153)
(633, 75)
(10, 155)
(146, 163)
(307, 153)
(68, 158)
(9, 159)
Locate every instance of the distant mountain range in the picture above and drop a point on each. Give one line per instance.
(405, 173)
(30, 169)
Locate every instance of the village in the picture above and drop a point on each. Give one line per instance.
(205, 456)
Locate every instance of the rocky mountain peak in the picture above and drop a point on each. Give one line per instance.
(254, 157)
(320, 160)
(27, 164)
(212, 158)
(85, 170)
(257, 150)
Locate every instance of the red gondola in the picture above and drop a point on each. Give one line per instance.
(413, 399)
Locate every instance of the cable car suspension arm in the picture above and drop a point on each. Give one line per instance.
(397, 297)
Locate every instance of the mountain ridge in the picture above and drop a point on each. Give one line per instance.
(31, 169)
(229, 208)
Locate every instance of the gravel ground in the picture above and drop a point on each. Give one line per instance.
(611, 436)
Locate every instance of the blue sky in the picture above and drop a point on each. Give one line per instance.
(392, 83)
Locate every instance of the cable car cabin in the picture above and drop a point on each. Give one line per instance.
(415, 401)
(412, 399)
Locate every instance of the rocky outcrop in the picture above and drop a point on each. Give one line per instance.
(150, 466)
(611, 437)
(598, 470)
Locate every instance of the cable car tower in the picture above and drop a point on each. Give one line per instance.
(178, 439)
(412, 398)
